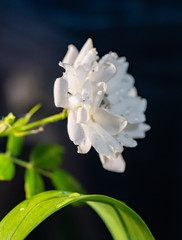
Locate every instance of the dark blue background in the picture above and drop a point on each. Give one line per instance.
(34, 36)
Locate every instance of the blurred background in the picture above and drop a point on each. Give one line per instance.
(33, 38)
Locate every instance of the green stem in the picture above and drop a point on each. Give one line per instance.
(21, 163)
(44, 121)
(30, 165)
(43, 172)
(23, 129)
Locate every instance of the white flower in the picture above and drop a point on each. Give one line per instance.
(104, 109)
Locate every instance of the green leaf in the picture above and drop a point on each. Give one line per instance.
(47, 156)
(34, 183)
(7, 169)
(122, 221)
(64, 181)
(14, 145)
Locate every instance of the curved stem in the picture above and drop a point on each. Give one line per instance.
(30, 165)
(44, 172)
(44, 121)
(21, 162)
(24, 130)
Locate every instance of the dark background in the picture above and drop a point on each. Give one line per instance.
(34, 35)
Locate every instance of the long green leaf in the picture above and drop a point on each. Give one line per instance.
(122, 221)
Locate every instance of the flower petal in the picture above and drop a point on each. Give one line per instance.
(132, 92)
(87, 93)
(131, 108)
(71, 75)
(126, 141)
(88, 60)
(111, 56)
(121, 68)
(75, 130)
(74, 100)
(122, 82)
(71, 55)
(60, 92)
(116, 164)
(86, 47)
(84, 146)
(135, 117)
(136, 130)
(82, 115)
(103, 72)
(112, 123)
(113, 142)
(97, 141)
(98, 95)
(98, 99)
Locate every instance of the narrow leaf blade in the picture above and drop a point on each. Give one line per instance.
(28, 214)
(7, 168)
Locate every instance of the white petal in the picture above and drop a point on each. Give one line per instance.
(113, 164)
(98, 93)
(87, 92)
(98, 142)
(101, 86)
(145, 127)
(132, 92)
(71, 55)
(71, 75)
(114, 98)
(116, 146)
(86, 47)
(135, 117)
(98, 99)
(60, 92)
(135, 103)
(89, 59)
(82, 115)
(112, 123)
(84, 146)
(103, 72)
(82, 74)
(131, 108)
(122, 82)
(136, 130)
(111, 56)
(75, 130)
(74, 100)
(126, 141)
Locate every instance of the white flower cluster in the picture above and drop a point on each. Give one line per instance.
(104, 109)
